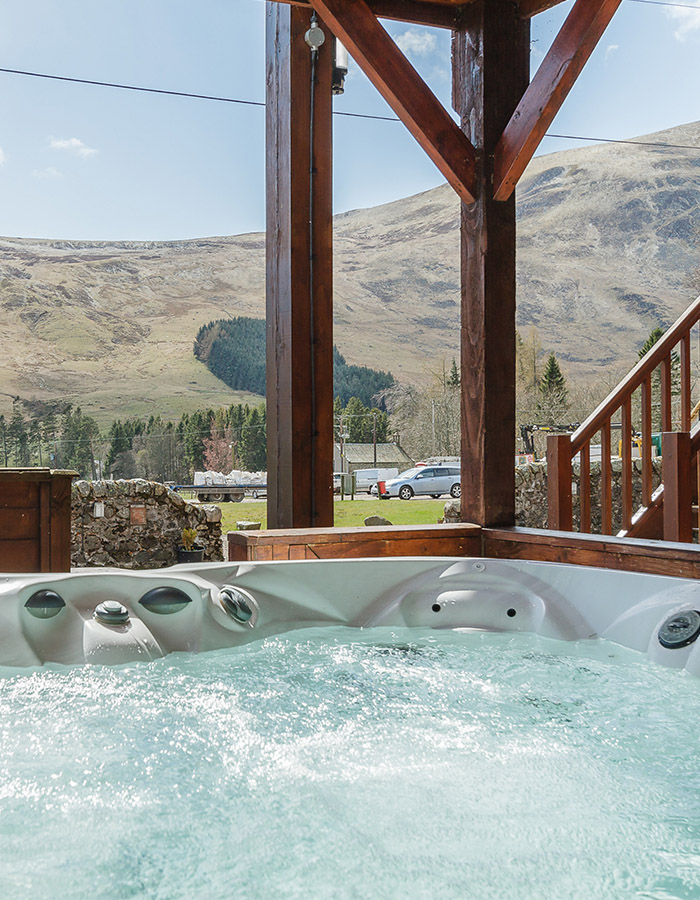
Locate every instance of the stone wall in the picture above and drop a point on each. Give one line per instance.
(531, 494)
(140, 526)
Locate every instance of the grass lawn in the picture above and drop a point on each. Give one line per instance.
(347, 512)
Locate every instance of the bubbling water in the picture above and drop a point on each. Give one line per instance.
(332, 763)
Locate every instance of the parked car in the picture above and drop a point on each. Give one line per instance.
(431, 480)
(365, 479)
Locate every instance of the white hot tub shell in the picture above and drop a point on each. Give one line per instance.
(116, 616)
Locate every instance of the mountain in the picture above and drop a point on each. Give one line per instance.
(608, 243)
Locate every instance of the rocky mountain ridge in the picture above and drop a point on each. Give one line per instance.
(607, 247)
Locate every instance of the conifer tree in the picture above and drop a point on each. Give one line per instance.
(453, 379)
(552, 403)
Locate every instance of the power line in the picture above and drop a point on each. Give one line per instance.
(258, 103)
(132, 87)
(666, 3)
(576, 137)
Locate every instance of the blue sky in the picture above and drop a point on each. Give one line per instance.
(86, 162)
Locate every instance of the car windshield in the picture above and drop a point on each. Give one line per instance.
(409, 473)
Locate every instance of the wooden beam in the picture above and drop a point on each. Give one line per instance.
(653, 557)
(559, 504)
(530, 8)
(676, 473)
(404, 90)
(490, 72)
(299, 275)
(418, 12)
(550, 86)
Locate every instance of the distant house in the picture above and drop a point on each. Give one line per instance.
(349, 457)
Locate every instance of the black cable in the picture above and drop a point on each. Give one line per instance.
(666, 3)
(131, 87)
(574, 137)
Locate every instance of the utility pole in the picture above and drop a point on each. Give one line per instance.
(374, 435)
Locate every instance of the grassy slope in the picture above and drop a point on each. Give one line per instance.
(607, 239)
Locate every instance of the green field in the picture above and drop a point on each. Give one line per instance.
(347, 512)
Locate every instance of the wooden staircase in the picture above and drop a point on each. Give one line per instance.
(661, 379)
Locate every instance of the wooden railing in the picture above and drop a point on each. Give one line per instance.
(671, 355)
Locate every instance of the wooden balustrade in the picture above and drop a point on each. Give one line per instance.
(662, 375)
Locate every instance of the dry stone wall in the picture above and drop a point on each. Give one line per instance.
(531, 494)
(137, 525)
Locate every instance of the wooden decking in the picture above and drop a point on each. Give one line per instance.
(651, 557)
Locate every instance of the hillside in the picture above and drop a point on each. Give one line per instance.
(608, 239)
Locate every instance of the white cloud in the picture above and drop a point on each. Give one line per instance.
(611, 48)
(51, 172)
(2, 156)
(73, 145)
(688, 20)
(416, 43)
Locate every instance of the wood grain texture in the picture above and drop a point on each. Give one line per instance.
(653, 557)
(666, 393)
(605, 479)
(404, 90)
(60, 529)
(530, 8)
(419, 12)
(626, 441)
(19, 525)
(677, 476)
(45, 520)
(585, 489)
(346, 543)
(646, 441)
(559, 505)
(299, 276)
(550, 86)
(18, 494)
(490, 63)
(35, 517)
(686, 402)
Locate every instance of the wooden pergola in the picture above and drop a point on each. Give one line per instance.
(504, 116)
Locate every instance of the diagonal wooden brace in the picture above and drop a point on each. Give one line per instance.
(404, 90)
(549, 88)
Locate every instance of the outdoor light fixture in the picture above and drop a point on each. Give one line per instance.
(340, 67)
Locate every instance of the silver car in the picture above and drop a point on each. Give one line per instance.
(432, 481)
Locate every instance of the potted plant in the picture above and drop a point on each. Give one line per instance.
(190, 551)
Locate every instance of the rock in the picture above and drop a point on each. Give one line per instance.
(213, 513)
(248, 526)
(82, 488)
(453, 512)
(377, 520)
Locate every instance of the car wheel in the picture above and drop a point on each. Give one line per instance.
(405, 492)
(435, 496)
(219, 497)
(456, 491)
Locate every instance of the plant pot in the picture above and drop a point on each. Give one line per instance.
(190, 556)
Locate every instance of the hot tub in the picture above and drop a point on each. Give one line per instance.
(404, 729)
(117, 616)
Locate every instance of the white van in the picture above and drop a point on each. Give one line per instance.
(366, 478)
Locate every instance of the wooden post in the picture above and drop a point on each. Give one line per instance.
(559, 504)
(299, 273)
(490, 73)
(678, 486)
